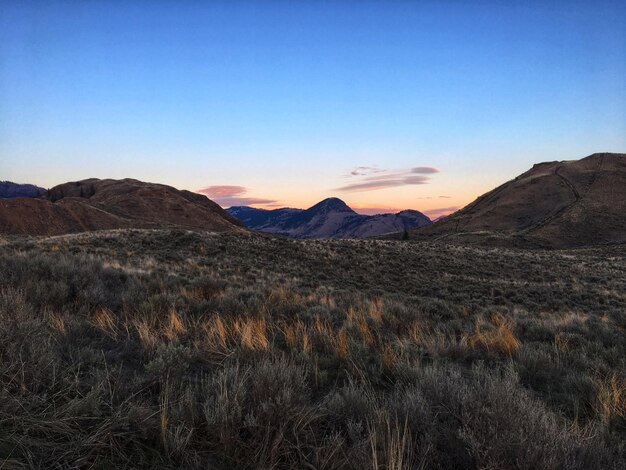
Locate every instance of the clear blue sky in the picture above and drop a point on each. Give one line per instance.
(285, 99)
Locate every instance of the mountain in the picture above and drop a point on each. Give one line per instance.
(330, 218)
(10, 190)
(554, 204)
(95, 204)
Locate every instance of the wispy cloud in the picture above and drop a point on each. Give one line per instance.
(223, 190)
(445, 197)
(230, 195)
(371, 178)
(424, 170)
(365, 170)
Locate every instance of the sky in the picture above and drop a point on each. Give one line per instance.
(387, 105)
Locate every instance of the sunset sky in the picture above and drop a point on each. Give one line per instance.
(394, 105)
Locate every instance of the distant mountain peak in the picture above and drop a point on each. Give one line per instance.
(330, 218)
(331, 204)
(409, 212)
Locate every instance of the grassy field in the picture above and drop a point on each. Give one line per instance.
(133, 349)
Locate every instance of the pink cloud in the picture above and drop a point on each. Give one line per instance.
(376, 182)
(373, 178)
(223, 190)
(231, 195)
(365, 170)
(425, 170)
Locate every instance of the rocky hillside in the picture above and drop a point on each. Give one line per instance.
(554, 204)
(95, 204)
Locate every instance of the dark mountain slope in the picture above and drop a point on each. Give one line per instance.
(554, 204)
(12, 190)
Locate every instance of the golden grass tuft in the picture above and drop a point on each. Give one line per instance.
(175, 326)
(320, 326)
(297, 336)
(341, 343)
(221, 334)
(252, 333)
(366, 333)
(611, 400)
(148, 336)
(57, 322)
(499, 336)
(375, 310)
(328, 300)
(104, 320)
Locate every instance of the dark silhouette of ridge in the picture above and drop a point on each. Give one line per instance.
(9, 190)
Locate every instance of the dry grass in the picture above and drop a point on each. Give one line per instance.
(375, 310)
(341, 343)
(178, 350)
(251, 333)
(57, 322)
(391, 448)
(175, 326)
(148, 336)
(611, 401)
(104, 319)
(297, 336)
(497, 336)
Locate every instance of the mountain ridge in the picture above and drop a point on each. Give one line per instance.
(95, 204)
(556, 204)
(10, 190)
(329, 218)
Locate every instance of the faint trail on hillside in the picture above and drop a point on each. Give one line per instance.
(585, 184)
(563, 209)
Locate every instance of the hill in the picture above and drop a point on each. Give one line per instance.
(95, 204)
(330, 218)
(554, 204)
(9, 190)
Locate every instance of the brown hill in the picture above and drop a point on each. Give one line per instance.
(95, 204)
(554, 204)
